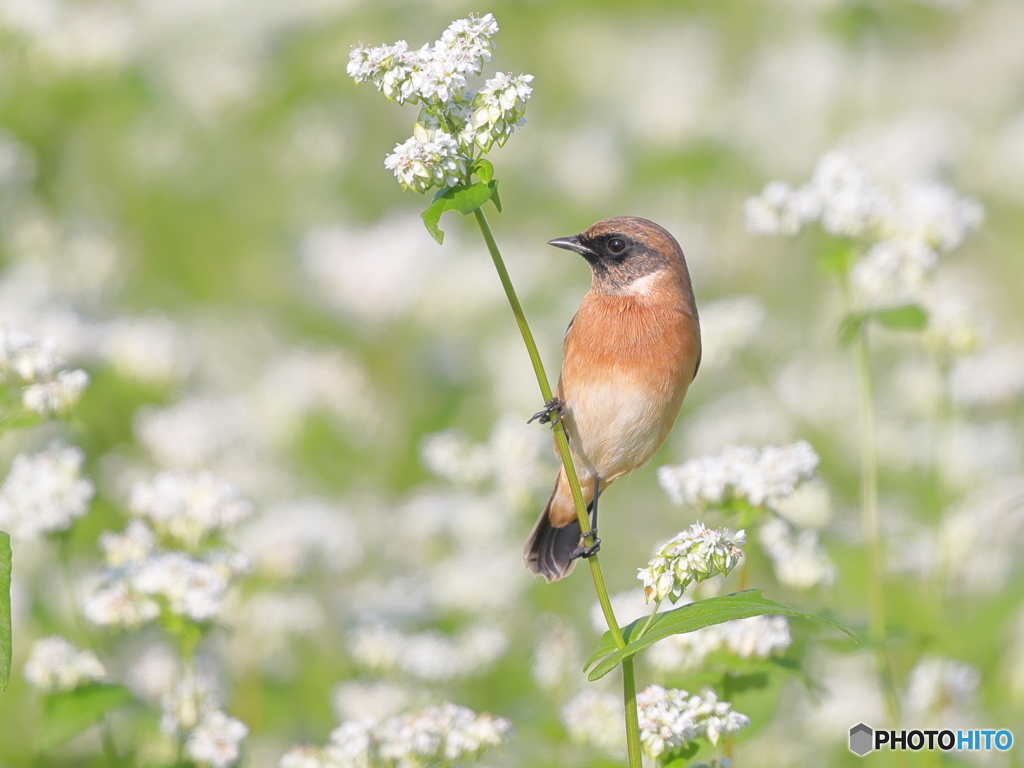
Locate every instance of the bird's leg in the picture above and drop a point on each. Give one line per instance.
(552, 412)
(584, 550)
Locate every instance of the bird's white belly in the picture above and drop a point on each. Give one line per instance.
(616, 427)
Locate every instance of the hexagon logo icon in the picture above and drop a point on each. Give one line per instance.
(862, 739)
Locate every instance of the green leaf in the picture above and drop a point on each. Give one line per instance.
(68, 713)
(906, 317)
(688, 618)
(465, 200)
(836, 256)
(5, 610)
(850, 327)
(484, 170)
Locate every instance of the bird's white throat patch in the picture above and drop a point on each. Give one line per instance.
(642, 285)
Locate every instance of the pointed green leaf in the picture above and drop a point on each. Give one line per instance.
(5, 610)
(465, 200)
(906, 317)
(850, 327)
(688, 618)
(68, 713)
(484, 170)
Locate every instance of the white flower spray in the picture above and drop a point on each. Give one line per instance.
(456, 124)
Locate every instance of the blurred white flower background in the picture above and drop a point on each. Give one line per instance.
(265, 461)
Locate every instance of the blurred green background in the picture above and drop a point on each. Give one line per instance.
(193, 205)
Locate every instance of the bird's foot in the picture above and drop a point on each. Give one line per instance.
(584, 550)
(552, 412)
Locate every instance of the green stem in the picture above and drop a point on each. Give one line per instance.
(647, 624)
(562, 443)
(870, 525)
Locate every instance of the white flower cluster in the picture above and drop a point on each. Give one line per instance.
(757, 637)
(441, 735)
(595, 718)
(760, 477)
(216, 740)
(187, 507)
(510, 458)
(44, 493)
(938, 686)
(48, 387)
(430, 655)
(144, 577)
(55, 664)
(798, 558)
(695, 554)
(670, 719)
(454, 121)
(192, 712)
(908, 226)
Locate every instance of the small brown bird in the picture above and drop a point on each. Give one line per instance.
(630, 354)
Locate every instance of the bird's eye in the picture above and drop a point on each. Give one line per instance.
(616, 246)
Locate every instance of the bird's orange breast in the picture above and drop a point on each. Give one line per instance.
(629, 360)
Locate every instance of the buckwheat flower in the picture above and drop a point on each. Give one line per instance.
(716, 718)
(667, 723)
(215, 741)
(757, 637)
(444, 734)
(993, 377)
(798, 559)
(44, 493)
(189, 507)
(695, 554)
(453, 456)
(429, 158)
(498, 109)
(190, 587)
(130, 547)
(351, 744)
(193, 699)
(54, 664)
(150, 350)
(430, 655)
(892, 271)
(556, 657)
(932, 214)
(740, 472)
(728, 326)
(593, 717)
(57, 396)
(118, 604)
(938, 688)
(781, 210)
(851, 203)
(24, 358)
(307, 756)
(377, 700)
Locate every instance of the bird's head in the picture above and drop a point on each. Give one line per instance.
(628, 255)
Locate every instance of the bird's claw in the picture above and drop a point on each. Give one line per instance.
(552, 412)
(584, 550)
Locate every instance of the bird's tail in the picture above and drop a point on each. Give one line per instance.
(548, 550)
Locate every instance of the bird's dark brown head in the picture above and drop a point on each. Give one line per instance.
(627, 254)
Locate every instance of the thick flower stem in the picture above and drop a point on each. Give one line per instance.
(562, 442)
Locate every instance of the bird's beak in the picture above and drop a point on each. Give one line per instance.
(572, 244)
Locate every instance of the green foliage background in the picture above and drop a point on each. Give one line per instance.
(209, 189)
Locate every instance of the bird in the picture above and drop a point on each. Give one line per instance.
(629, 356)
